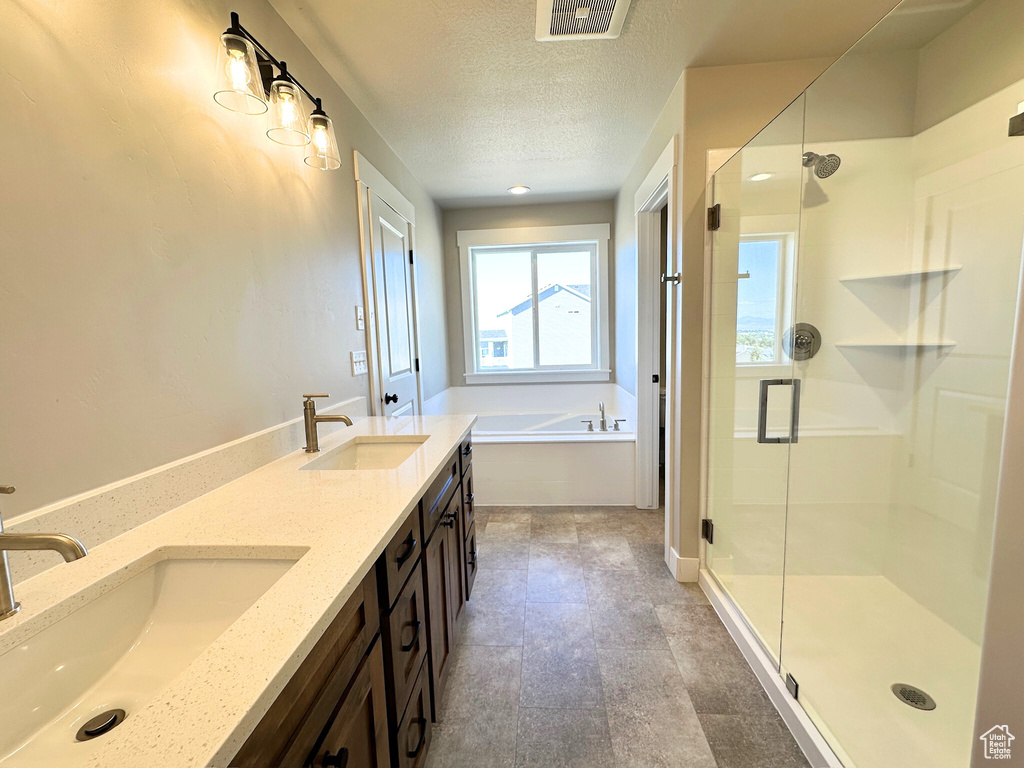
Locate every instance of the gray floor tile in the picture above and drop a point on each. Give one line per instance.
(554, 528)
(663, 589)
(549, 555)
(562, 624)
(650, 557)
(562, 675)
(502, 554)
(499, 587)
(555, 585)
(613, 585)
(627, 624)
(564, 738)
(500, 528)
(483, 681)
(752, 741)
(492, 623)
(607, 553)
(650, 717)
(487, 742)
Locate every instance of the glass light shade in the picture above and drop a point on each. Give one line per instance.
(288, 123)
(239, 85)
(323, 146)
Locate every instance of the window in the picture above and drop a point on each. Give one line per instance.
(535, 307)
(759, 301)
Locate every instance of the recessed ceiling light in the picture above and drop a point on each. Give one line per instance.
(518, 189)
(761, 176)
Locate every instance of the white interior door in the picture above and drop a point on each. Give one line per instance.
(391, 244)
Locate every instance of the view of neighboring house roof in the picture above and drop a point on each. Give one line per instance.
(498, 335)
(583, 291)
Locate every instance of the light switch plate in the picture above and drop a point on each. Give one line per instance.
(359, 363)
(360, 323)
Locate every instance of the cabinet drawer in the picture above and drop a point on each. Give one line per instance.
(468, 502)
(356, 735)
(466, 453)
(289, 730)
(471, 564)
(412, 736)
(399, 560)
(437, 496)
(404, 636)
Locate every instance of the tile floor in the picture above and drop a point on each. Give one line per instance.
(578, 648)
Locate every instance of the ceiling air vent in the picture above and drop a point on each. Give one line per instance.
(580, 19)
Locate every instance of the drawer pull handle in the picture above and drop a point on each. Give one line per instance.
(422, 723)
(467, 450)
(448, 521)
(416, 625)
(470, 497)
(338, 760)
(409, 549)
(472, 556)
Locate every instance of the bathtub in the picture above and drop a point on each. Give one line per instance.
(531, 447)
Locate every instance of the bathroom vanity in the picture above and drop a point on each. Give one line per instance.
(367, 693)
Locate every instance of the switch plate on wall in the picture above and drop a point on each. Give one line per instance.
(359, 363)
(360, 322)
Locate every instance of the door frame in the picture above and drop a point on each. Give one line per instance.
(660, 188)
(369, 179)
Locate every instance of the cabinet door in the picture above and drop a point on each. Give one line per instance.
(457, 575)
(357, 735)
(440, 620)
(404, 634)
(468, 497)
(412, 736)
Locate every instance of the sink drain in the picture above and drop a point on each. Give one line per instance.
(913, 696)
(102, 723)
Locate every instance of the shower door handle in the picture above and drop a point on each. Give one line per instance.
(762, 411)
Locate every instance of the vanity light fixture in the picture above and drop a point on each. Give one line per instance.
(760, 177)
(518, 189)
(1017, 121)
(251, 81)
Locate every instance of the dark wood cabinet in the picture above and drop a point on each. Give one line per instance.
(366, 695)
(357, 734)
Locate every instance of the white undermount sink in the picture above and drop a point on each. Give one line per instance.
(117, 651)
(369, 452)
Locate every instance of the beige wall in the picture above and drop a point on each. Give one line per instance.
(171, 279)
(502, 217)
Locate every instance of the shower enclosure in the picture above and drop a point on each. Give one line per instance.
(865, 272)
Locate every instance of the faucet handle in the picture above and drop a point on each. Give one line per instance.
(617, 424)
(310, 397)
(7, 489)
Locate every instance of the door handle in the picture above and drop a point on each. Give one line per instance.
(388, 399)
(667, 278)
(762, 411)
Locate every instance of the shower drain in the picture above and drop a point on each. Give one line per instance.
(102, 723)
(913, 696)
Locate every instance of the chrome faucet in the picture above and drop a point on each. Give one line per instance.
(68, 547)
(604, 421)
(309, 414)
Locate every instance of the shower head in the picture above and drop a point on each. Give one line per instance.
(823, 165)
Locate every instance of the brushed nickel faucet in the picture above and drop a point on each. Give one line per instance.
(311, 419)
(604, 421)
(66, 546)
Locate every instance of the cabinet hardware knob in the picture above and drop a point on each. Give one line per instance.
(467, 450)
(337, 760)
(416, 625)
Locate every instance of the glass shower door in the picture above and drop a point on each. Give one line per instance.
(751, 393)
(909, 266)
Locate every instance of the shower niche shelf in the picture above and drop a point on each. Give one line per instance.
(905, 278)
(903, 347)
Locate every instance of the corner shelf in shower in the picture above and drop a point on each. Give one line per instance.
(899, 346)
(904, 277)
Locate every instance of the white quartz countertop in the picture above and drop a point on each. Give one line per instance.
(338, 522)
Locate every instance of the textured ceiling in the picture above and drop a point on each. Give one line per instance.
(473, 104)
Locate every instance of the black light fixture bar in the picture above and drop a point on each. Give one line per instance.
(236, 28)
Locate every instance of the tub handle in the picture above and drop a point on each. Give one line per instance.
(616, 427)
(589, 423)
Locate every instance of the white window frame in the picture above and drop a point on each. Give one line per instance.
(543, 238)
(781, 298)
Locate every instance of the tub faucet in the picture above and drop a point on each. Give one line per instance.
(604, 421)
(68, 547)
(311, 419)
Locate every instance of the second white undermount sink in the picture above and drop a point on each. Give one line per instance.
(369, 452)
(116, 652)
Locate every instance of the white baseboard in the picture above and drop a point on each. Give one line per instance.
(814, 746)
(685, 569)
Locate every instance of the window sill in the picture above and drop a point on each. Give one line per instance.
(537, 377)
